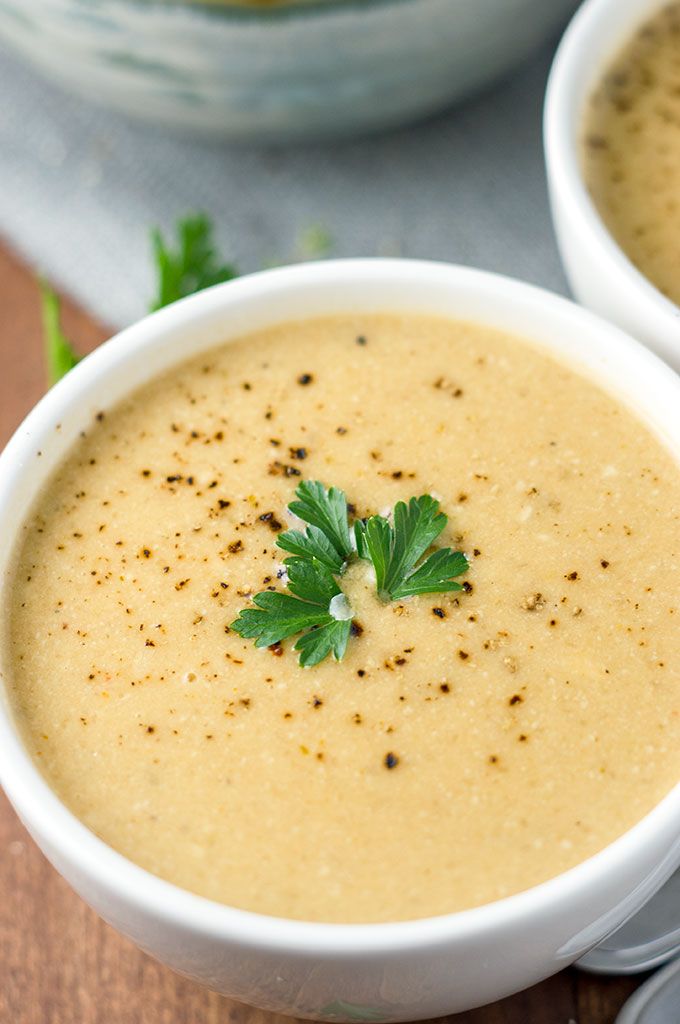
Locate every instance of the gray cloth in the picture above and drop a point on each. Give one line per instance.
(80, 188)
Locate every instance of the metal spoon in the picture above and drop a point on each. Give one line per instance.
(657, 1001)
(649, 939)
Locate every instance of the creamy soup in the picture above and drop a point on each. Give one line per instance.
(469, 745)
(632, 150)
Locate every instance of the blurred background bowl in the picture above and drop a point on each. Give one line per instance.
(277, 69)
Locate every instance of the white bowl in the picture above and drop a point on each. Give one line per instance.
(373, 972)
(318, 68)
(601, 275)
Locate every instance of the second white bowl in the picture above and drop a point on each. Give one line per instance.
(601, 275)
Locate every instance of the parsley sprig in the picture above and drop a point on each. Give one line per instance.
(60, 355)
(316, 606)
(327, 538)
(396, 550)
(190, 267)
(320, 554)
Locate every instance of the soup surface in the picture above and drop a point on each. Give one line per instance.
(530, 720)
(632, 150)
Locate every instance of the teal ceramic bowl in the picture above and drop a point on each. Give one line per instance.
(276, 70)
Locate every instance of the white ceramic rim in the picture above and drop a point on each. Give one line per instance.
(111, 871)
(596, 33)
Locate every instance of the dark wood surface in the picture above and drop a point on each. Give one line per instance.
(59, 963)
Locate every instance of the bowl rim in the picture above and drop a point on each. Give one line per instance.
(596, 33)
(131, 885)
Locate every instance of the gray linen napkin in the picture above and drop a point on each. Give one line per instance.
(79, 189)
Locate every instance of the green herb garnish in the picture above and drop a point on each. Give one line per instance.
(278, 616)
(314, 242)
(396, 550)
(316, 606)
(193, 266)
(325, 510)
(60, 355)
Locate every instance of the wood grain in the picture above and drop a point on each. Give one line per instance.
(59, 963)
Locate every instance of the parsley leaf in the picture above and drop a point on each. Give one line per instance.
(321, 553)
(60, 355)
(278, 616)
(193, 266)
(311, 581)
(316, 606)
(327, 510)
(314, 242)
(374, 539)
(415, 527)
(434, 575)
(313, 543)
(319, 643)
(396, 550)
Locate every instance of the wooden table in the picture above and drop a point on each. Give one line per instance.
(59, 963)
